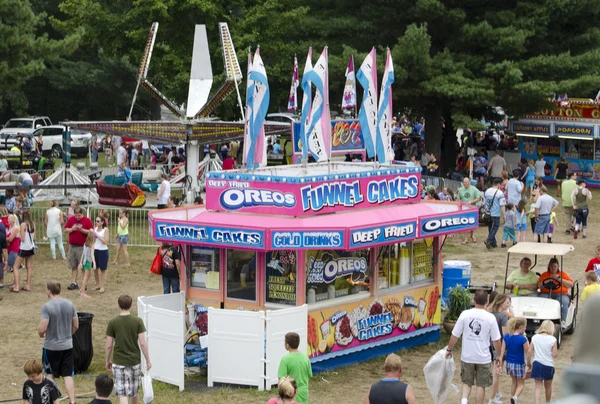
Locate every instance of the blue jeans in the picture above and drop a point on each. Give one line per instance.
(94, 155)
(493, 229)
(564, 300)
(170, 285)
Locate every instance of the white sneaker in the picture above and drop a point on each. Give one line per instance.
(514, 400)
(464, 401)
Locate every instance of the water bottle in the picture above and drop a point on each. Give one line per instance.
(516, 289)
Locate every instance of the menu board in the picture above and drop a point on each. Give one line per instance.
(281, 277)
(422, 259)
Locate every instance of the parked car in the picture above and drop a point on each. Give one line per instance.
(53, 140)
(20, 125)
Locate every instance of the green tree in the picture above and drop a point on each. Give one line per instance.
(24, 52)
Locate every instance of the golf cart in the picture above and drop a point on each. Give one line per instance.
(537, 309)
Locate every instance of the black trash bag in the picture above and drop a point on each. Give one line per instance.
(83, 348)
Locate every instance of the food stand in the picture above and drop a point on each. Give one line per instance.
(351, 240)
(570, 131)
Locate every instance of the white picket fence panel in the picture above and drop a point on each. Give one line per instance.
(279, 323)
(164, 319)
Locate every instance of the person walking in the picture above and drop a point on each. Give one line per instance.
(164, 191)
(477, 327)
(94, 147)
(390, 390)
(101, 257)
(560, 174)
(145, 153)
(514, 346)
(121, 155)
(480, 171)
(58, 324)
(77, 227)
(54, 221)
(540, 167)
(544, 350)
(171, 268)
(580, 198)
(496, 166)
(495, 202)
(566, 190)
(297, 365)
(521, 221)
(122, 236)
(514, 189)
(125, 335)
(26, 251)
(544, 206)
(498, 307)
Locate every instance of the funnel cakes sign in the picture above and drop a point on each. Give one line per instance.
(302, 196)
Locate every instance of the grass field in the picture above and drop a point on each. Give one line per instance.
(20, 317)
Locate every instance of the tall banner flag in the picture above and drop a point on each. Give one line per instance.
(319, 128)
(349, 99)
(249, 100)
(293, 99)
(597, 97)
(367, 77)
(261, 97)
(306, 103)
(385, 153)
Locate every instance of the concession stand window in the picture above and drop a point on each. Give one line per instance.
(332, 274)
(579, 149)
(204, 268)
(402, 264)
(281, 270)
(241, 274)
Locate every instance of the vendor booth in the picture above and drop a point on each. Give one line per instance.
(352, 241)
(570, 131)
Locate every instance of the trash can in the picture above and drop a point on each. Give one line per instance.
(455, 273)
(83, 348)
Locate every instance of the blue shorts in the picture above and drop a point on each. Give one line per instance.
(521, 227)
(543, 225)
(541, 372)
(124, 239)
(529, 183)
(27, 182)
(101, 258)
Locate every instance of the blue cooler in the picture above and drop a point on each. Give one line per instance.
(455, 273)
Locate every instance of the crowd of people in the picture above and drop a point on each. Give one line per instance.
(493, 320)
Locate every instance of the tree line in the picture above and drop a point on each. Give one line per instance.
(453, 60)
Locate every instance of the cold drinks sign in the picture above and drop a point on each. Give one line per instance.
(309, 196)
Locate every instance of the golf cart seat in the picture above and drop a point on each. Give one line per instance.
(124, 195)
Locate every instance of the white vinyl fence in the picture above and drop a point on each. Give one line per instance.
(242, 342)
(236, 347)
(244, 347)
(164, 319)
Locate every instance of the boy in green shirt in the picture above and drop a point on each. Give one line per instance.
(297, 365)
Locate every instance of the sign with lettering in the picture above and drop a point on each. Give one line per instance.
(312, 195)
(345, 136)
(437, 225)
(383, 234)
(281, 277)
(531, 128)
(328, 268)
(307, 239)
(206, 235)
(571, 112)
(574, 130)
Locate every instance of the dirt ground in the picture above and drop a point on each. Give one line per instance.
(20, 317)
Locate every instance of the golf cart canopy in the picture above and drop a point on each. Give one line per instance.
(541, 249)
